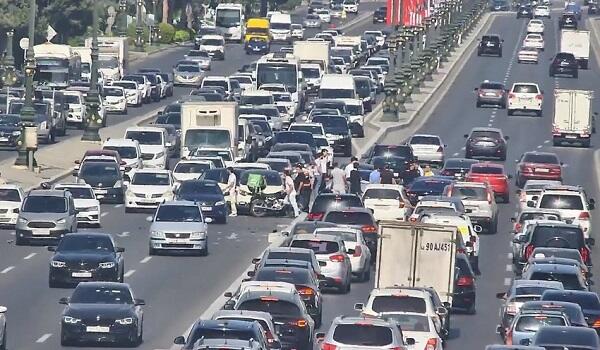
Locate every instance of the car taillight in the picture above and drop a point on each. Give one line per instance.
(539, 97)
(401, 204)
(518, 227)
(328, 346)
(357, 251)
(306, 291)
(337, 258)
(431, 344)
(585, 254)
(508, 339)
(511, 96)
(596, 324)
(528, 251)
(412, 219)
(368, 229)
(315, 216)
(299, 323)
(584, 215)
(465, 281)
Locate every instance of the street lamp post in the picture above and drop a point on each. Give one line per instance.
(122, 17)
(139, 29)
(154, 28)
(27, 144)
(9, 60)
(93, 119)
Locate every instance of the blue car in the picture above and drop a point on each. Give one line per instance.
(257, 46)
(208, 194)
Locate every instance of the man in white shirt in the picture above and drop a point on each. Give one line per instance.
(348, 169)
(338, 180)
(322, 164)
(290, 190)
(231, 188)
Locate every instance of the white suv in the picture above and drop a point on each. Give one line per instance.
(572, 203)
(154, 144)
(133, 93)
(77, 109)
(525, 97)
(11, 198)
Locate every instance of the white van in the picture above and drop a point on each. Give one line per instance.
(153, 143)
(281, 27)
(129, 151)
(337, 86)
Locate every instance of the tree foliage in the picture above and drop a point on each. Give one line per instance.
(14, 14)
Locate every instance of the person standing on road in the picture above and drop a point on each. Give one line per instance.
(348, 169)
(387, 176)
(427, 171)
(375, 176)
(231, 188)
(290, 191)
(355, 181)
(338, 180)
(322, 165)
(303, 187)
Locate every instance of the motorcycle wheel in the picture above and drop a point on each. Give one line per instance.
(257, 208)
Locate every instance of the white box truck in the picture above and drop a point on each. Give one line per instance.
(418, 255)
(573, 120)
(313, 52)
(209, 125)
(576, 42)
(113, 56)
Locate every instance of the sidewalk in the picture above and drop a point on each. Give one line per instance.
(422, 102)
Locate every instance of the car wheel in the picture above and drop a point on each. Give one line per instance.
(477, 104)
(19, 241)
(152, 251)
(506, 198)
(585, 143)
(538, 113)
(509, 112)
(121, 278)
(128, 210)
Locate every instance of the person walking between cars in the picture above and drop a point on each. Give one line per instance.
(338, 180)
(387, 176)
(348, 169)
(322, 164)
(427, 171)
(355, 180)
(231, 188)
(375, 176)
(290, 192)
(302, 183)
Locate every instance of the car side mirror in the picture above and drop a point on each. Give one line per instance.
(180, 340)
(518, 239)
(359, 306)
(513, 220)
(255, 261)
(506, 138)
(590, 241)
(250, 273)
(530, 204)
(441, 311)
(120, 250)
(475, 89)
(320, 336)
(150, 219)
(139, 302)
(51, 248)
(228, 295)
(63, 301)
(322, 284)
(410, 341)
(592, 203)
(466, 136)
(535, 198)
(501, 295)
(447, 305)
(229, 305)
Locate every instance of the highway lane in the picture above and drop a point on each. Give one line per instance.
(180, 287)
(165, 61)
(455, 115)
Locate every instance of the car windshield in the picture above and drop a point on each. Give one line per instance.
(557, 201)
(424, 140)
(538, 215)
(124, 151)
(217, 83)
(193, 187)
(145, 137)
(10, 120)
(191, 168)
(9, 195)
(587, 301)
(112, 91)
(197, 53)
(486, 170)
(323, 203)
(381, 193)
(393, 162)
(97, 294)
(491, 86)
(125, 85)
(74, 99)
(271, 305)
(470, 193)
(151, 179)
(362, 334)
(80, 192)
(221, 333)
(332, 122)
(540, 158)
(169, 118)
(570, 281)
(178, 213)
(317, 246)
(432, 186)
(531, 323)
(45, 204)
(212, 42)
(226, 155)
(529, 290)
(188, 68)
(491, 38)
(85, 242)
(313, 129)
(98, 169)
(398, 151)
(409, 322)
(289, 256)
(293, 276)
(565, 237)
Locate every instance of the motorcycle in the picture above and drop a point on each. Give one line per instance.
(262, 204)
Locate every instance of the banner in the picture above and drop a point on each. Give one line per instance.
(407, 12)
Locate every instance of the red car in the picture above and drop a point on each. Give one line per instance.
(538, 166)
(492, 173)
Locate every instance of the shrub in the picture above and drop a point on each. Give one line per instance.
(131, 33)
(181, 36)
(166, 32)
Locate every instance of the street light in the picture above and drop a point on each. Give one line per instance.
(122, 17)
(9, 60)
(93, 119)
(154, 27)
(139, 29)
(27, 143)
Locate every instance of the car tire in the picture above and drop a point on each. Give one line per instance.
(575, 75)
(505, 198)
(128, 210)
(152, 251)
(493, 227)
(477, 104)
(121, 277)
(500, 53)
(509, 112)
(538, 113)
(19, 241)
(64, 341)
(586, 143)
(471, 310)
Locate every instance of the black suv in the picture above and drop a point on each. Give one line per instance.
(567, 20)
(379, 16)
(564, 63)
(524, 12)
(490, 45)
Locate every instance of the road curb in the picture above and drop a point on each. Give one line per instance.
(454, 68)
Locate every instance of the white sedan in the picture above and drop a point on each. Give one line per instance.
(356, 247)
(387, 202)
(541, 11)
(535, 41)
(535, 26)
(528, 55)
(149, 188)
(420, 327)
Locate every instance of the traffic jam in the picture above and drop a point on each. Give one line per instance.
(275, 140)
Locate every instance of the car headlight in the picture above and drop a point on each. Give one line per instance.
(168, 193)
(107, 265)
(129, 193)
(118, 184)
(61, 221)
(125, 321)
(157, 234)
(197, 235)
(23, 221)
(220, 203)
(71, 320)
(16, 133)
(88, 209)
(56, 263)
(159, 155)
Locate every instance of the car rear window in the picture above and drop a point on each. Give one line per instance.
(564, 237)
(296, 276)
(289, 256)
(396, 303)
(410, 323)
(349, 218)
(540, 158)
(524, 88)
(363, 334)
(222, 334)
(533, 323)
(558, 201)
(317, 246)
(485, 134)
(398, 151)
(469, 193)
(492, 86)
(529, 290)
(271, 305)
(380, 193)
(433, 186)
(486, 170)
(490, 38)
(538, 216)
(325, 203)
(570, 281)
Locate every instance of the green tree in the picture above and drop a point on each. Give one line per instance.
(13, 14)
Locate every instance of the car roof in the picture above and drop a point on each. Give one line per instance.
(404, 291)
(71, 184)
(555, 268)
(224, 324)
(144, 128)
(536, 283)
(363, 320)
(486, 129)
(120, 142)
(316, 237)
(152, 170)
(180, 202)
(384, 186)
(53, 193)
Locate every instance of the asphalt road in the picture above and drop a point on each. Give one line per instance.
(176, 289)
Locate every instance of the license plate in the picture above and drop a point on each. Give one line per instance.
(571, 136)
(40, 233)
(490, 94)
(207, 208)
(97, 329)
(101, 191)
(84, 274)
(542, 170)
(490, 45)
(3, 139)
(178, 241)
(396, 174)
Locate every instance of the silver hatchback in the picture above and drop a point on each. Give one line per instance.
(363, 333)
(332, 256)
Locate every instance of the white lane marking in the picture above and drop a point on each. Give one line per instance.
(29, 256)
(103, 214)
(232, 236)
(118, 205)
(509, 268)
(455, 154)
(540, 146)
(145, 260)
(129, 273)
(490, 124)
(509, 256)
(43, 338)
(507, 281)
(547, 141)
(6, 270)
(123, 234)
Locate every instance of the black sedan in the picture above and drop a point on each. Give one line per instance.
(427, 186)
(486, 142)
(102, 312)
(85, 257)
(10, 131)
(208, 194)
(525, 12)
(457, 167)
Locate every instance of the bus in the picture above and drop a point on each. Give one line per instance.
(56, 65)
(229, 19)
(281, 68)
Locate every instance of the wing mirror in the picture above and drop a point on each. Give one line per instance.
(359, 306)
(228, 295)
(441, 311)
(250, 273)
(530, 204)
(120, 249)
(590, 241)
(139, 302)
(51, 248)
(501, 296)
(63, 301)
(180, 340)
(410, 341)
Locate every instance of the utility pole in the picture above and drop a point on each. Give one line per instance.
(93, 119)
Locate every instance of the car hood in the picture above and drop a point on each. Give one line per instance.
(100, 181)
(85, 203)
(87, 256)
(178, 227)
(148, 189)
(8, 129)
(43, 216)
(201, 197)
(103, 311)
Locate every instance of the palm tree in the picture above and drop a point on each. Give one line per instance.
(165, 11)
